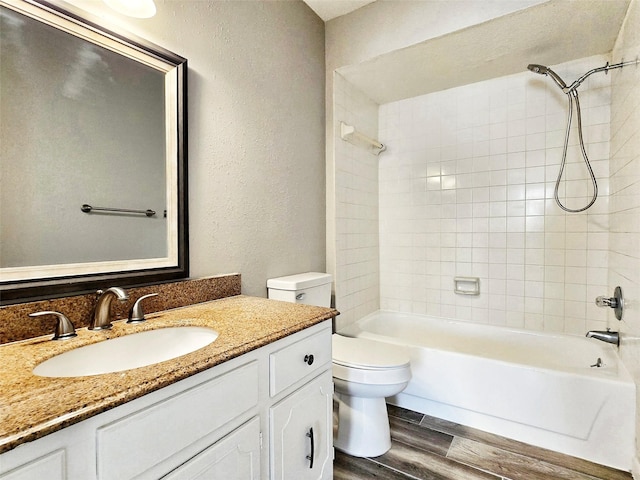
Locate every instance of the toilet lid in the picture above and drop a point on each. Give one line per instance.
(367, 354)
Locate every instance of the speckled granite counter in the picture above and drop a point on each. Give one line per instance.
(32, 406)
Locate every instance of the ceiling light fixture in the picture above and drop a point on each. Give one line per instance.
(133, 8)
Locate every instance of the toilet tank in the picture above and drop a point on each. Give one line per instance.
(311, 288)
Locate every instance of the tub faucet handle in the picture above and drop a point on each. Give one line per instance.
(616, 302)
(603, 301)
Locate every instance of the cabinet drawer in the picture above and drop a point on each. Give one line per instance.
(235, 457)
(294, 362)
(132, 445)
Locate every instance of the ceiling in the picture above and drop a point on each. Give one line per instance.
(549, 33)
(328, 9)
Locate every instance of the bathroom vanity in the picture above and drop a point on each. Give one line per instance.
(255, 403)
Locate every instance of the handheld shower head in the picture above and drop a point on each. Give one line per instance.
(572, 95)
(535, 68)
(542, 70)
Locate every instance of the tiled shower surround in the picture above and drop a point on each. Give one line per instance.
(466, 189)
(624, 231)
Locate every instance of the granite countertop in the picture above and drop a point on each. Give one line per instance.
(32, 407)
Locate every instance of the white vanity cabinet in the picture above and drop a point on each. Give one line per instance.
(240, 420)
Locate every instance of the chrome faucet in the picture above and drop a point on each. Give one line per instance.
(101, 319)
(608, 336)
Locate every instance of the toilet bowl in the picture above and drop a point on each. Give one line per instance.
(365, 372)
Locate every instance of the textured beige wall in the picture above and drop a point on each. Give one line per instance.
(256, 132)
(383, 27)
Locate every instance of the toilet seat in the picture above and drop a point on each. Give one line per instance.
(367, 354)
(364, 361)
(390, 376)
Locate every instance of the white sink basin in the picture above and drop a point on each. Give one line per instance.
(127, 352)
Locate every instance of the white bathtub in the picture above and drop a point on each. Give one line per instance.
(537, 388)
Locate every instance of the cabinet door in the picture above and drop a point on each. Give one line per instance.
(301, 433)
(234, 457)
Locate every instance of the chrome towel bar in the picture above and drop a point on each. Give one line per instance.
(88, 209)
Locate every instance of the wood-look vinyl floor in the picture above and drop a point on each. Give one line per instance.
(428, 448)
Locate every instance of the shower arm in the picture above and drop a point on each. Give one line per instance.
(604, 69)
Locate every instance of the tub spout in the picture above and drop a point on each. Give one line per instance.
(608, 336)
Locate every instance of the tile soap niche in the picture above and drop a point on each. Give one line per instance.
(466, 285)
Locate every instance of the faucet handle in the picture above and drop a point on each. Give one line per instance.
(64, 327)
(603, 301)
(136, 314)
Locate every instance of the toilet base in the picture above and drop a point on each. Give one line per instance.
(363, 426)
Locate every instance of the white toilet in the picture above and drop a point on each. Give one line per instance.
(364, 371)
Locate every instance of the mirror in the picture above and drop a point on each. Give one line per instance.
(92, 156)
